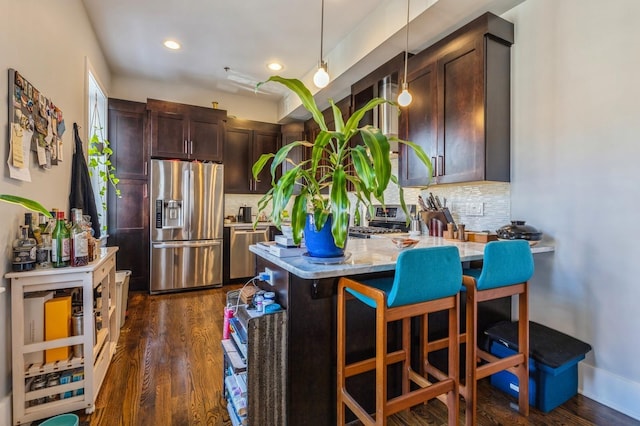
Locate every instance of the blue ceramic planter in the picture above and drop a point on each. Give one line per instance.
(320, 243)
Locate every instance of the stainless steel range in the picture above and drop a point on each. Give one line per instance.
(390, 219)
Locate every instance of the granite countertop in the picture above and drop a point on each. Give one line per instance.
(365, 255)
(245, 224)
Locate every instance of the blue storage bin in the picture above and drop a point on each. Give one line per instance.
(553, 363)
(557, 385)
(508, 382)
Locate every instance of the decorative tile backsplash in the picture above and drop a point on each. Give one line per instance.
(493, 197)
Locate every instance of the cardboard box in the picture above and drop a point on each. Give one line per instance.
(34, 323)
(57, 325)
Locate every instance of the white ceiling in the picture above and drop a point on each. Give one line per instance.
(359, 35)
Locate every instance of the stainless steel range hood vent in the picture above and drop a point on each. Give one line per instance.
(388, 114)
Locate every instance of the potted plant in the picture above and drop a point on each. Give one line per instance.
(312, 211)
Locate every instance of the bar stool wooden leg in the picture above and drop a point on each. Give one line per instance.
(381, 367)
(469, 390)
(453, 399)
(523, 346)
(341, 361)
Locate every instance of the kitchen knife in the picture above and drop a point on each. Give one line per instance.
(438, 203)
(447, 215)
(430, 203)
(423, 206)
(433, 201)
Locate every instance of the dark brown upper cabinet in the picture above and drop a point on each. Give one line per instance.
(460, 114)
(185, 132)
(245, 142)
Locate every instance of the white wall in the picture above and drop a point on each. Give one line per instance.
(47, 42)
(249, 108)
(576, 121)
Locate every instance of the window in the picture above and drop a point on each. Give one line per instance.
(97, 124)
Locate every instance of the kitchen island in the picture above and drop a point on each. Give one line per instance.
(308, 292)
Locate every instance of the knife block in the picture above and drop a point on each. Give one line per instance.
(428, 215)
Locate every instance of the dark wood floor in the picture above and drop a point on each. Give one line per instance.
(168, 371)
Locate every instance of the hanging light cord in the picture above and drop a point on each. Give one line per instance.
(406, 51)
(321, 29)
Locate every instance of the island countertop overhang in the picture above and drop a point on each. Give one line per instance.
(368, 255)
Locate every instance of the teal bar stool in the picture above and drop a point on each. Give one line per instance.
(426, 280)
(506, 269)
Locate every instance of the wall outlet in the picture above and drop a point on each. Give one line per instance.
(475, 209)
(269, 276)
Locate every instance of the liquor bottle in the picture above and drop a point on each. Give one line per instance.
(79, 240)
(60, 245)
(24, 251)
(43, 222)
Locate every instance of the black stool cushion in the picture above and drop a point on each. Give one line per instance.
(546, 345)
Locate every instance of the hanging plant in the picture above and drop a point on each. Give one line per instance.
(99, 154)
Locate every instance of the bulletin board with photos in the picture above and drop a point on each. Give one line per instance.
(36, 125)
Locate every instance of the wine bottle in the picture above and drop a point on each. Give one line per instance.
(79, 240)
(60, 244)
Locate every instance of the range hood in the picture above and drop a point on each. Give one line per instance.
(387, 116)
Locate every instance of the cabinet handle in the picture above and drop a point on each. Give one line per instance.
(190, 147)
(184, 146)
(144, 191)
(145, 168)
(440, 165)
(434, 166)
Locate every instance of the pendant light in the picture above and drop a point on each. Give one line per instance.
(321, 77)
(405, 98)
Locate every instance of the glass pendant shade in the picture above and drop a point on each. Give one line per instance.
(405, 97)
(321, 77)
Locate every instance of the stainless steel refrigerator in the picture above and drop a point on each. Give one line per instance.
(187, 219)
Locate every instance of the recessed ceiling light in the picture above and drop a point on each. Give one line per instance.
(274, 66)
(172, 44)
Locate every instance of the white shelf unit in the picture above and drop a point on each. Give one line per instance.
(98, 351)
(258, 367)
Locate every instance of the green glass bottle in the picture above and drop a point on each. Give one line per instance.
(60, 244)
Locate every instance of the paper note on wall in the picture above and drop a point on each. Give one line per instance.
(19, 148)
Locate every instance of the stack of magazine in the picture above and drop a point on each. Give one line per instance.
(283, 247)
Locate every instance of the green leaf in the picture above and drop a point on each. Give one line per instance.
(337, 117)
(26, 203)
(339, 207)
(297, 87)
(259, 165)
(417, 149)
(319, 145)
(282, 154)
(403, 204)
(298, 217)
(354, 121)
(379, 150)
(363, 166)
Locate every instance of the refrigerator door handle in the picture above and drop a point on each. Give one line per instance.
(182, 244)
(187, 204)
(192, 208)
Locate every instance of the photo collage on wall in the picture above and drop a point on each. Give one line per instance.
(36, 124)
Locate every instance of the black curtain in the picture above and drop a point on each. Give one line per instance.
(81, 194)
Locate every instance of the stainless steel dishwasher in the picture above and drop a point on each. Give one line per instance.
(242, 262)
